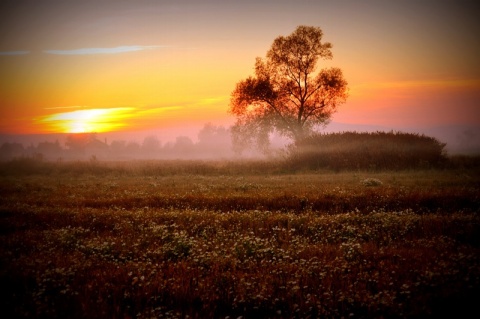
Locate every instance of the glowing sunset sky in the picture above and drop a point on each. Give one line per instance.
(73, 66)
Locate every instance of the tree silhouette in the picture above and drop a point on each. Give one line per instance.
(212, 135)
(118, 146)
(183, 145)
(49, 149)
(79, 141)
(11, 150)
(285, 95)
(151, 144)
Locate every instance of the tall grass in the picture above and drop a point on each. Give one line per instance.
(31, 166)
(171, 240)
(379, 150)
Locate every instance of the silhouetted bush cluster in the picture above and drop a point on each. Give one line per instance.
(379, 150)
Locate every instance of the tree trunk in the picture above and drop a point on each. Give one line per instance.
(299, 133)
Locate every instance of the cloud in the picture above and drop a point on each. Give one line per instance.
(438, 84)
(114, 50)
(90, 114)
(64, 107)
(14, 52)
(412, 89)
(213, 100)
(158, 110)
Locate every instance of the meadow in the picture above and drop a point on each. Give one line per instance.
(196, 239)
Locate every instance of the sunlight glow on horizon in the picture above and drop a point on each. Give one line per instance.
(84, 121)
(102, 120)
(143, 65)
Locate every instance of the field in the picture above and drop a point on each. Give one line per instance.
(215, 240)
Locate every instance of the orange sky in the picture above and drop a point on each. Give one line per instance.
(71, 66)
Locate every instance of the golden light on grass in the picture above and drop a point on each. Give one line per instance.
(91, 120)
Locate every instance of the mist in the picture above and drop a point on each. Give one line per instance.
(210, 142)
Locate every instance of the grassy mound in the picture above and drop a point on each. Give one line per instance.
(379, 150)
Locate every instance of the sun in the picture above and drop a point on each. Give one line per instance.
(80, 127)
(84, 121)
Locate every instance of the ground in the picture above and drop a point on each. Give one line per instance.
(203, 240)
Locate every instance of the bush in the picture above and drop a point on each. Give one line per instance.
(379, 150)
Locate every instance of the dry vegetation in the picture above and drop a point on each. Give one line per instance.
(378, 150)
(216, 240)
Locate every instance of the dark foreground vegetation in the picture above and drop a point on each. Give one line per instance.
(165, 239)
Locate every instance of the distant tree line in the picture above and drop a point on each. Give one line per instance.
(333, 151)
(213, 142)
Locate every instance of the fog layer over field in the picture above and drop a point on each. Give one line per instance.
(207, 142)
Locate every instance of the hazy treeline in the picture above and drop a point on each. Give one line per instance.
(213, 142)
(332, 151)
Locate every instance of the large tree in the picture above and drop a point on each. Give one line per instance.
(286, 94)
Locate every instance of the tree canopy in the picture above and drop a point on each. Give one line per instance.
(286, 94)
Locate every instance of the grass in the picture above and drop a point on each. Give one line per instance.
(215, 240)
(372, 151)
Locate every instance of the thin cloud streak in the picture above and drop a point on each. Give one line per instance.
(366, 89)
(21, 52)
(90, 114)
(64, 107)
(114, 50)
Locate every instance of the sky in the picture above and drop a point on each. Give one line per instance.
(136, 66)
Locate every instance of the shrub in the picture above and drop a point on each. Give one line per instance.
(372, 182)
(379, 150)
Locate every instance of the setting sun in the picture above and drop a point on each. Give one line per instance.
(239, 159)
(123, 67)
(82, 121)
